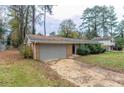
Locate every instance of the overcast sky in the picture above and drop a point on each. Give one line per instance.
(72, 10)
(67, 11)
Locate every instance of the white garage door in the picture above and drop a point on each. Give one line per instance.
(51, 52)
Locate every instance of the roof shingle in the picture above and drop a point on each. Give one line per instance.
(56, 39)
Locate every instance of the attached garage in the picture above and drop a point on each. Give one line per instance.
(52, 51)
(47, 48)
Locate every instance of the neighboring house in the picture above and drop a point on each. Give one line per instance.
(47, 48)
(107, 42)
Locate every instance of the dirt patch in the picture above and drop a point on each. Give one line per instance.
(10, 55)
(84, 75)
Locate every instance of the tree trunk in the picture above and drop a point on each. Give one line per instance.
(26, 21)
(95, 28)
(45, 20)
(21, 25)
(111, 31)
(33, 19)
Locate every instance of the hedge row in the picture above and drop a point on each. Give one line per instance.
(90, 49)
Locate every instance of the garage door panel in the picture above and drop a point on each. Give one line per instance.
(50, 52)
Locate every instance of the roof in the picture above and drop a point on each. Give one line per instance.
(102, 38)
(58, 40)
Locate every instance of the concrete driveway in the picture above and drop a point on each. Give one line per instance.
(83, 74)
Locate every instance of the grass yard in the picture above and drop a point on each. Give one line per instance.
(109, 60)
(16, 71)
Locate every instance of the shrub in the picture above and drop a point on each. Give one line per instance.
(83, 51)
(90, 49)
(102, 50)
(119, 43)
(117, 48)
(96, 49)
(26, 51)
(99, 49)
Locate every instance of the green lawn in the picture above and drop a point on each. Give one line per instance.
(29, 73)
(110, 60)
